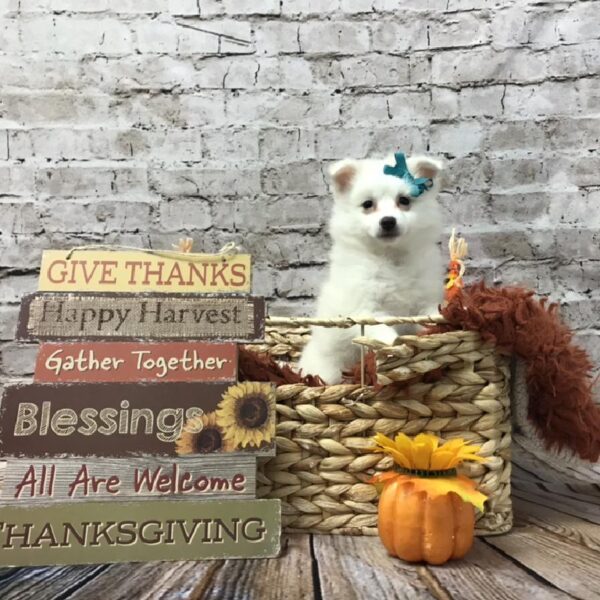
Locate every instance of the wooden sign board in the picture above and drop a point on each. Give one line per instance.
(164, 272)
(209, 477)
(137, 419)
(97, 362)
(110, 532)
(55, 316)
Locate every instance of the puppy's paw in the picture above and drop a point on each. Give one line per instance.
(314, 363)
(384, 333)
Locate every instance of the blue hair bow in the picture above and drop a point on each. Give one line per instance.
(400, 169)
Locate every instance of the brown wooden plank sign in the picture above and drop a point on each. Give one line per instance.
(99, 362)
(49, 480)
(107, 532)
(128, 419)
(56, 316)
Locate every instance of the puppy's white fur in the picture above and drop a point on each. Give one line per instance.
(371, 275)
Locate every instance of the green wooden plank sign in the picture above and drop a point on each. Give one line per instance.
(109, 532)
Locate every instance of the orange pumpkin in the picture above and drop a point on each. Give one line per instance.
(426, 509)
(415, 526)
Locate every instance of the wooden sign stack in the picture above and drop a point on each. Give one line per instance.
(136, 442)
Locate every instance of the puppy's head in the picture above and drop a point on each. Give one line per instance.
(378, 208)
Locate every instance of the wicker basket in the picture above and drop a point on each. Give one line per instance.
(321, 467)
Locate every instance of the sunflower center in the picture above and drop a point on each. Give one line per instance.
(253, 412)
(207, 440)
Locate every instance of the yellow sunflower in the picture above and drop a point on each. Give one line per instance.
(429, 467)
(246, 414)
(202, 435)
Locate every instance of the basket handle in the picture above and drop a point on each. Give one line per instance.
(346, 322)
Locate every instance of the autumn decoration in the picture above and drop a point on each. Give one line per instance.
(426, 509)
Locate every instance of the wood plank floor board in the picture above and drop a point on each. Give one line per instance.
(574, 487)
(567, 565)
(524, 456)
(358, 568)
(288, 577)
(46, 583)
(6, 572)
(147, 581)
(567, 526)
(576, 491)
(550, 555)
(587, 494)
(484, 574)
(574, 508)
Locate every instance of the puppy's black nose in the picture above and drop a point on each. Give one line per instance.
(387, 223)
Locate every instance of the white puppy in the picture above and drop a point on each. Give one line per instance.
(384, 260)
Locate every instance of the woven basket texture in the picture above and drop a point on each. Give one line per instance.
(322, 468)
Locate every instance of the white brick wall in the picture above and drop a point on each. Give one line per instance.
(136, 122)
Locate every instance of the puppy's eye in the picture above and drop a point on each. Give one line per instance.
(368, 204)
(402, 201)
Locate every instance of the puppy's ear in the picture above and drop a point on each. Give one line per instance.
(342, 175)
(424, 166)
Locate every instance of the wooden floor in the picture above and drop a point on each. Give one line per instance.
(553, 552)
